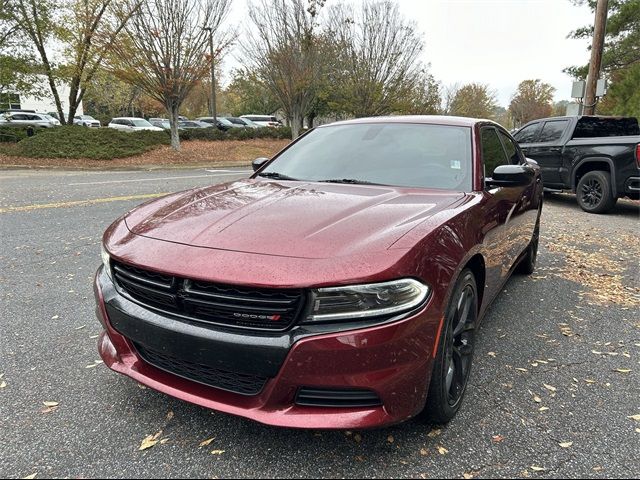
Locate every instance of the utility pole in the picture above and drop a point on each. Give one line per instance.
(595, 64)
(212, 105)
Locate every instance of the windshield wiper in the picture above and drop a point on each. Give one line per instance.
(276, 176)
(349, 180)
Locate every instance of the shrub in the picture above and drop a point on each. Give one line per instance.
(235, 133)
(98, 144)
(15, 134)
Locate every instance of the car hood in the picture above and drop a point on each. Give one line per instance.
(292, 219)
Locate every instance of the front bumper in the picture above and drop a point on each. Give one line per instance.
(393, 360)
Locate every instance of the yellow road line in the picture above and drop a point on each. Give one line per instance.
(79, 203)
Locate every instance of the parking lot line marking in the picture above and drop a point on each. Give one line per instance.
(152, 179)
(78, 203)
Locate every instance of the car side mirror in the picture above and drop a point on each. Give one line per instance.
(511, 176)
(258, 163)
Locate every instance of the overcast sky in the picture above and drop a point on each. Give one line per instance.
(499, 42)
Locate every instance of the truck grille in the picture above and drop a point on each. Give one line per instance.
(231, 306)
(242, 383)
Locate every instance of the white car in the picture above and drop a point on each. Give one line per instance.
(263, 120)
(27, 119)
(86, 121)
(132, 124)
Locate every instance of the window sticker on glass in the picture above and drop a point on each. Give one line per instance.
(456, 165)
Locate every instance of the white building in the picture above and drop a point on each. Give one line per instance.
(44, 104)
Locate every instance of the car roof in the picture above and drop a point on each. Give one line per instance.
(127, 118)
(424, 119)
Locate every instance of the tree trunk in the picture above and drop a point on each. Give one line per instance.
(296, 122)
(311, 119)
(173, 121)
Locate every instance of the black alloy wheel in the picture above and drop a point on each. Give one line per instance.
(452, 365)
(594, 192)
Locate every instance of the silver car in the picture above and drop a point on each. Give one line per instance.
(25, 119)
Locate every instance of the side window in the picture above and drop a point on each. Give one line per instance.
(527, 134)
(552, 131)
(19, 116)
(492, 151)
(510, 148)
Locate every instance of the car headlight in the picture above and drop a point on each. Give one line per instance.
(106, 259)
(362, 301)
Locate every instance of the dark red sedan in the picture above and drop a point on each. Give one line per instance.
(340, 286)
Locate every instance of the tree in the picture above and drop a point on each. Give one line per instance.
(164, 49)
(620, 57)
(474, 100)
(378, 54)
(247, 93)
(84, 30)
(422, 99)
(287, 53)
(533, 99)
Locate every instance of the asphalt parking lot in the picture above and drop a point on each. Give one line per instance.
(555, 383)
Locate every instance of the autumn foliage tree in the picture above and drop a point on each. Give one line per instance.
(473, 100)
(164, 48)
(533, 99)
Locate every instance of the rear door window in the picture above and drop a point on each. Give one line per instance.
(528, 133)
(589, 127)
(552, 131)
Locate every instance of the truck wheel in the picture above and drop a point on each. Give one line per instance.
(594, 192)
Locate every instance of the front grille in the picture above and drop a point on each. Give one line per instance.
(242, 383)
(337, 398)
(241, 307)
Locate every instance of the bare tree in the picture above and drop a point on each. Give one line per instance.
(84, 29)
(287, 53)
(164, 50)
(378, 55)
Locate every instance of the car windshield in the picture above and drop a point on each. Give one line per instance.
(405, 155)
(138, 122)
(224, 121)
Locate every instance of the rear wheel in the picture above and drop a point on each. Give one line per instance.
(594, 192)
(452, 365)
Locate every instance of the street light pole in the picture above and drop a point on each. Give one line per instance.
(599, 31)
(212, 106)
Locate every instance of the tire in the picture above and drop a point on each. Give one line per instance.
(594, 192)
(450, 376)
(528, 264)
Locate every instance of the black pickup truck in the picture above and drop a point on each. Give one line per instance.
(597, 158)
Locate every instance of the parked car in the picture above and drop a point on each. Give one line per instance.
(240, 122)
(597, 158)
(191, 125)
(341, 286)
(263, 120)
(23, 119)
(86, 121)
(132, 124)
(160, 123)
(221, 122)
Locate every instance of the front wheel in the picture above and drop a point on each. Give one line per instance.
(594, 192)
(452, 365)
(528, 264)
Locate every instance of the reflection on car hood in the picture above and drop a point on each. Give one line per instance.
(307, 220)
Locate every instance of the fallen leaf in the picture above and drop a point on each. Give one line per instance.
(565, 444)
(390, 439)
(359, 458)
(497, 438)
(467, 476)
(623, 370)
(442, 450)
(537, 469)
(424, 451)
(206, 443)
(163, 441)
(81, 327)
(217, 452)
(150, 441)
(357, 437)
(55, 317)
(30, 477)
(50, 404)
(635, 417)
(522, 369)
(492, 354)
(434, 433)
(537, 399)
(588, 380)
(550, 388)
(3, 384)
(543, 409)
(169, 415)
